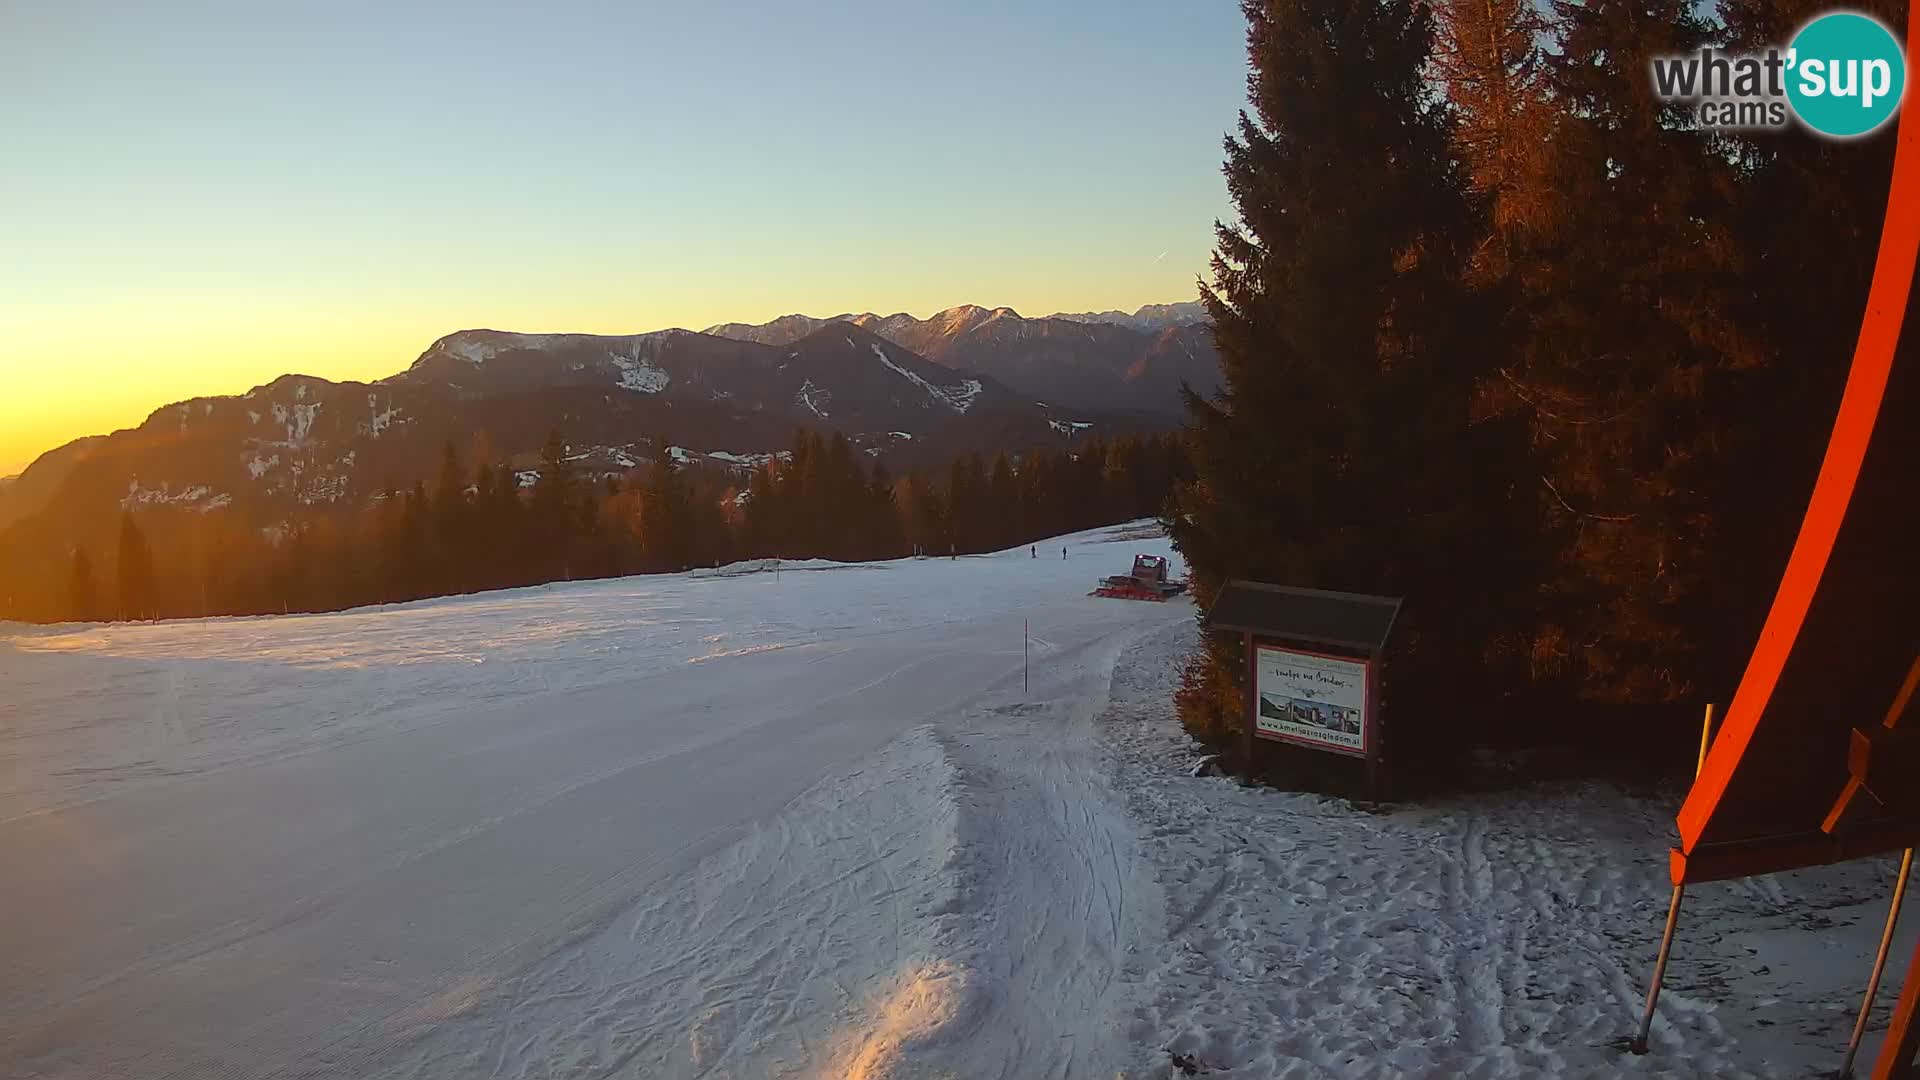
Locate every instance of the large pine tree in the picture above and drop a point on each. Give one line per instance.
(1339, 452)
(1626, 293)
(1490, 55)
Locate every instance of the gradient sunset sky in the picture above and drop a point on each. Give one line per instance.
(199, 197)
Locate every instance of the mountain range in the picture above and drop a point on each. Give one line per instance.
(902, 389)
(1104, 361)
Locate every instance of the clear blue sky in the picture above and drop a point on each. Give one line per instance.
(201, 196)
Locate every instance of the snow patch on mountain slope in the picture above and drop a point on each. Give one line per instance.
(813, 397)
(297, 419)
(381, 419)
(748, 461)
(324, 488)
(958, 396)
(638, 371)
(683, 456)
(198, 497)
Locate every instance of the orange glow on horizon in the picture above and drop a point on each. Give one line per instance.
(64, 383)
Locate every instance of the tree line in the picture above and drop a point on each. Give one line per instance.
(1505, 333)
(476, 527)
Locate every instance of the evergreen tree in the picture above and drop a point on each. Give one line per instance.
(1003, 524)
(760, 516)
(1087, 490)
(1338, 451)
(451, 522)
(390, 534)
(1491, 57)
(135, 573)
(841, 490)
(422, 575)
(83, 595)
(922, 512)
(593, 552)
(665, 518)
(800, 529)
(965, 505)
(886, 531)
(1630, 338)
(554, 516)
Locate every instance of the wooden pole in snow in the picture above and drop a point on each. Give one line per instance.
(1639, 1044)
(1879, 966)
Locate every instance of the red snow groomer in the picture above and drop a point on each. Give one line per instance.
(1147, 582)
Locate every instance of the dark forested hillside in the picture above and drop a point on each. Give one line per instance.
(484, 523)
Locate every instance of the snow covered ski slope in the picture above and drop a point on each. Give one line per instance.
(716, 824)
(744, 824)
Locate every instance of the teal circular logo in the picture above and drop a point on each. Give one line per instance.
(1847, 74)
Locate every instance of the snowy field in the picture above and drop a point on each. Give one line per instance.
(1502, 935)
(810, 824)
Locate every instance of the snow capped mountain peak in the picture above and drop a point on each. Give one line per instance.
(476, 347)
(781, 331)
(959, 320)
(1150, 318)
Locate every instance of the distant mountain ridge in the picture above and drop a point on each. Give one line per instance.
(1150, 318)
(1147, 319)
(1095, 361)
(901, 388)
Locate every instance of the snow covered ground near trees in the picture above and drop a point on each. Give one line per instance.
(812, 825)
(1490, 935)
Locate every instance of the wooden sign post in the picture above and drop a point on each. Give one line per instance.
(1313, 659)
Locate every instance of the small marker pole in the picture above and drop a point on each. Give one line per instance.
(1879, 967)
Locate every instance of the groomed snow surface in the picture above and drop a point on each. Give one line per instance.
(806, 822)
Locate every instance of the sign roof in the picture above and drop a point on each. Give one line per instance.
(1355, 621)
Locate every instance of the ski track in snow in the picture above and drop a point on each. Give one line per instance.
(955, 907)
(738, 825)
